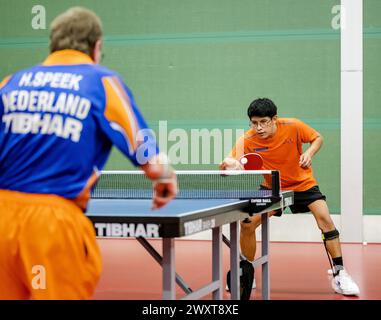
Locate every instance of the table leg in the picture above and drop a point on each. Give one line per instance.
(159, 259)
(234, 262)
(265, 252)
(169, 288)
(217, 261)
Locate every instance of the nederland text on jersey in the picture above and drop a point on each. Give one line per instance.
(46, 111)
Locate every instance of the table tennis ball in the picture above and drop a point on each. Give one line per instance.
(244, 160)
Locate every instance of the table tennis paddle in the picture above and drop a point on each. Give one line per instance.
(251, 161)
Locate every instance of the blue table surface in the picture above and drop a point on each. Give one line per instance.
(137, 207)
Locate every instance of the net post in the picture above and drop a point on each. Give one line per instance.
(275, 183)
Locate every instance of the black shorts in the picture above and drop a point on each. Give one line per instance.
(302, 200)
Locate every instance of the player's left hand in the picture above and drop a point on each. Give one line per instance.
(305, 160)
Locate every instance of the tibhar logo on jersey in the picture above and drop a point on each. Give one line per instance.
(45, 111)
(126, 230)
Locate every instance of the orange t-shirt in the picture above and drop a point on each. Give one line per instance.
(282, 152)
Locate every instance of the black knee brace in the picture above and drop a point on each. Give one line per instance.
(330, 235)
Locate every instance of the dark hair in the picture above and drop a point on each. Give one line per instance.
(262, 107)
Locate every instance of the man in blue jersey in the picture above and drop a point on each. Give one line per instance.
(59, 121)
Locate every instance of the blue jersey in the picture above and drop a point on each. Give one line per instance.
(59, 121)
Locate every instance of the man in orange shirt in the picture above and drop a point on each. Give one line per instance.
(279, 141)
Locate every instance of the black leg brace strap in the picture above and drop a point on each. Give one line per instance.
(330, 235)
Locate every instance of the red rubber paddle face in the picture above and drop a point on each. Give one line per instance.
(251, 161)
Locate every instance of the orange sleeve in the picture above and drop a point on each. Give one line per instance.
(241, 146)
(5, 81)
(119, 109)
(306, 133)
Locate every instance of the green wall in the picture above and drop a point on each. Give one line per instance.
(198, 64)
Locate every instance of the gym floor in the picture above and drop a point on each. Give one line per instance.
(298, 271)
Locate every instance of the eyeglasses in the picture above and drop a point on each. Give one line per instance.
(262, 123)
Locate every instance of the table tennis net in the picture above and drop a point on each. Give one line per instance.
(192, 185)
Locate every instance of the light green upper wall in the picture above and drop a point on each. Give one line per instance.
(200, 63)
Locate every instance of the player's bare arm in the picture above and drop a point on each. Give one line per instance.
(306, 158)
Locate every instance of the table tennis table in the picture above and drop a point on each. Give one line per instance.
(121, 218)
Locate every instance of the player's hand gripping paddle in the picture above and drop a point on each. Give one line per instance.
(251, 161)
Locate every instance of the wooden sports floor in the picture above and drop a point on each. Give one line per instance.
(298, 271)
